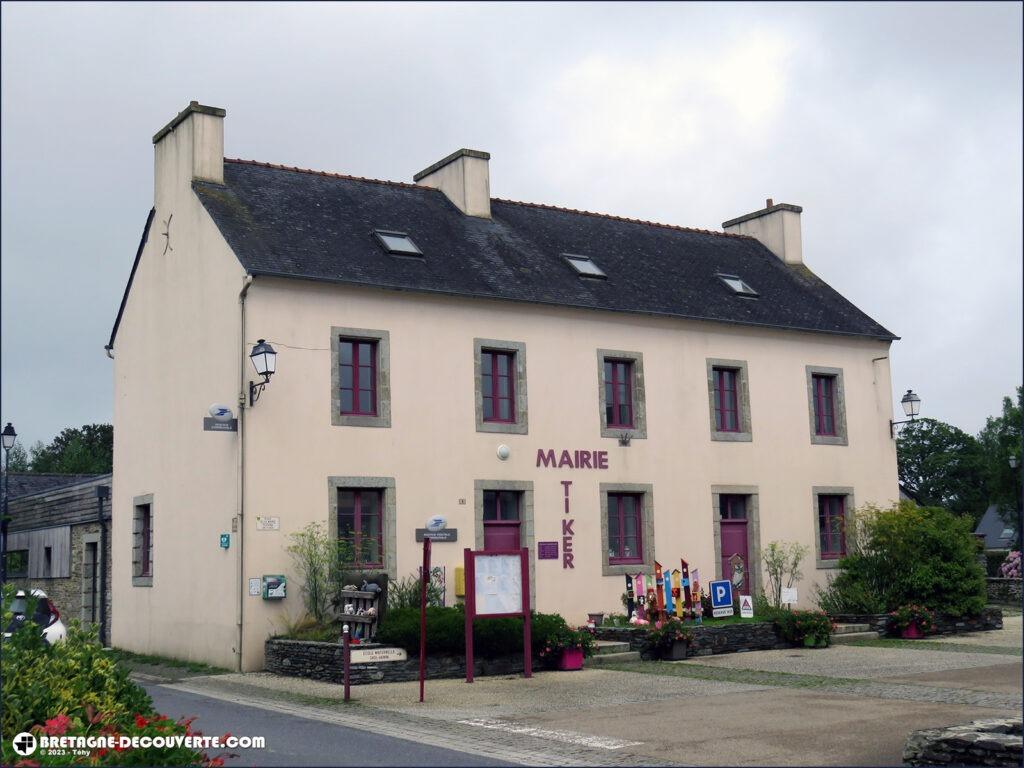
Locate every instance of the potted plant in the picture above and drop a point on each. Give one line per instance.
(671, 640)
(567, 648)
(812, 629)
(912, 621)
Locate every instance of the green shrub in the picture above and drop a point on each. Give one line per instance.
(661, 639)
(446, 632)
(809, 628)
(910, 554)
(845, 595)
(406, 593)
(75, 688)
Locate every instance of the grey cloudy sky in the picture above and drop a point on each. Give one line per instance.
(897, 127)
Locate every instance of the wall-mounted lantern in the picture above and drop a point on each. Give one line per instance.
(264, 360)
(911, 407)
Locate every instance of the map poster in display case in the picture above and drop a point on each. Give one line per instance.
(497, 586)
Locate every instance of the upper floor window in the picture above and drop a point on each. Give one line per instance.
(358, 377)
(824, 404)
(625, 528)
(497, 385)
(832, 526)
(618, 393)
(361, 525)
(142, 541)
(727, 412)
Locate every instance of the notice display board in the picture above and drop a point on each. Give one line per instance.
(497, 585)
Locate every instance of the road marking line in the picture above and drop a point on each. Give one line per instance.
(566, 737)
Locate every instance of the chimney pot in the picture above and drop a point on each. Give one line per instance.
(777, 226)
(464, 177)
(768, 203)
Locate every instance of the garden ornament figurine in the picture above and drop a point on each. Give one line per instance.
(369, 587)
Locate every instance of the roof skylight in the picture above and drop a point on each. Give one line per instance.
(397, 243)
(584, 266)
(739, 287)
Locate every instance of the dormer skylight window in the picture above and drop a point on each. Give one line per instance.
(738, 287)
(584, 266)
(397, 243)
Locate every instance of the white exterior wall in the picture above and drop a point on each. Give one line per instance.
(434, 453)
(176, 353)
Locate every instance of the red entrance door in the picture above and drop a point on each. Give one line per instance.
(733, 511)
(501, 521)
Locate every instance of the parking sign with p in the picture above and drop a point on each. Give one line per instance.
(721, 598)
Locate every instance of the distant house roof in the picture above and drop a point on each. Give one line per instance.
(26, 483)
(293, 223)
(71, 502)
(998, 534)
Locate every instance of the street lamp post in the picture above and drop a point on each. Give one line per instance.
(911, 407)
(9, 436)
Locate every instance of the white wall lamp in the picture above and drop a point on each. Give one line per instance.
(264, 360)
(911, 406)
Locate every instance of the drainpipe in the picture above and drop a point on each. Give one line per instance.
(103, 492)
(242, 403)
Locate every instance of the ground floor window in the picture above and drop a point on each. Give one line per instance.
(832, 526)
(361, 525)
(625, 540)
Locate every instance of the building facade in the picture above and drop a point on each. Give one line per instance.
(59, 542)
(602, 391)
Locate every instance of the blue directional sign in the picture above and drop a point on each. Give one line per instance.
(721, 598)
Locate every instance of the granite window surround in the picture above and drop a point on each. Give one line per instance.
(830, 490)
(838, 400)
(753, 530)
(639, 429)
(383, 383)
(520, 425)
(139, 503)
(386, 485)
(745, 433)
(526, 526)
(646, 492)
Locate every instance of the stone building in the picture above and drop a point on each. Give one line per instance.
(54, 542)
(604, 392)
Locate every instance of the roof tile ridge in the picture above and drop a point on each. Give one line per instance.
(613, 217)
(328, 174)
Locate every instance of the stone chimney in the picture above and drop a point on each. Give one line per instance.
(190, 147)
(464, 178)
(777, 226)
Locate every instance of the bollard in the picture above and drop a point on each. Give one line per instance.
(346, 655)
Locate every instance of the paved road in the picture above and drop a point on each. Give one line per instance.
(296, 741)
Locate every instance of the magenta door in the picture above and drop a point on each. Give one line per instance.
(501, 537)
(734, 542)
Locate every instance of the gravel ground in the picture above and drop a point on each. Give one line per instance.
(852, 661)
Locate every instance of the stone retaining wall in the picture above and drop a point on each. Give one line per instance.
(707, 640)
(1004, 591)
(323, 661)
(989, 618)
(983, 742)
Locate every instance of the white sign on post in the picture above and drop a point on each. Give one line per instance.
(746, 607)
(499, 584)
(789, 595)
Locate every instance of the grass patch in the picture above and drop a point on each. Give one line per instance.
(932, 645)
(728, 675)
(130, 659)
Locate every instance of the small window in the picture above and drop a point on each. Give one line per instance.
(397, 243)
(727, 417)
(361, 527)
(47, 562)
(732, 506)
(824, 405)
(584, 266)
(737, 285)
(501, 506)
(625, 531)
(146, 562)
(832, 526)
(358, 361)
(17, 563)
(497, 385)
(618, 393)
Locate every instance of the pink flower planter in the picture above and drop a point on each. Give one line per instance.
(912, 632)
(572, 658)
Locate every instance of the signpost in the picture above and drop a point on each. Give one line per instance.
(788, 595)
(721, 598)
(497, 586)
(746, 607)
(434, 525)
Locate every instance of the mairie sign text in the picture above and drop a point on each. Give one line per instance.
(546, 457)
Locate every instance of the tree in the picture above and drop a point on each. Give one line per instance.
(86, 451)
(18, 460)
(782, 564)
(999, 440)
(943, 466)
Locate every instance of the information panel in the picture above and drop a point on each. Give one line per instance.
(499, 584)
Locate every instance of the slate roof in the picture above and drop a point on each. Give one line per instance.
(993, 527)
(26, 483)
(295, 223)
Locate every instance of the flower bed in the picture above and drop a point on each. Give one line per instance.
(707, 639)
(988, 619)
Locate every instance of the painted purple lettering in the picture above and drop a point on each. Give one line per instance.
(602, 459)
(567, 560)
(584, 460)
(566, 460)
(565, 487)
(567, 528)
(546, 459)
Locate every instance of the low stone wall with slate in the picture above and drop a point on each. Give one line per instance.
(323, 661)
(983, 742)
(989, 618)
(1004, 591)
(707, 640)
